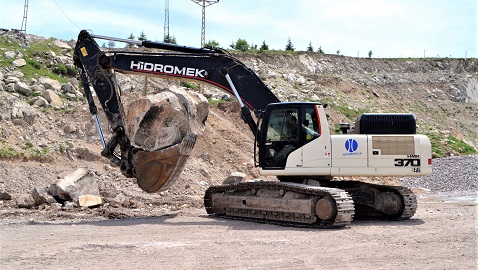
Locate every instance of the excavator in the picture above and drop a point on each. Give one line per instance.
(292, 142)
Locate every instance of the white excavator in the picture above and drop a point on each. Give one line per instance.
(292, 142)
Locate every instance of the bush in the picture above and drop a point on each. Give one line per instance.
(60, 69)
(189, 85)
(34, 63)
(241, 45)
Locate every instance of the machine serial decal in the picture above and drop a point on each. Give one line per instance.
(169, 69)
(405, 162)
(351, 146)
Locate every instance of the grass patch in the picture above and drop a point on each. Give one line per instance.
(31, 54)
(444, 145)
(461, 147)
(348, 112)
(213, 102)
(39, 152)
(10, 152)
(190, 85)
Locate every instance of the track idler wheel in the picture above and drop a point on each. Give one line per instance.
(157, 170)
(326, 209)
(389, 203)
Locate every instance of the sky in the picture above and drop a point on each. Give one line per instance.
(388, 28)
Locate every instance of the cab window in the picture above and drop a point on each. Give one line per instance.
(311, 125)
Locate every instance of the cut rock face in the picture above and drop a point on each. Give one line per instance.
(161, 120)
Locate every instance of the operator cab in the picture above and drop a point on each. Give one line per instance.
(285, 128)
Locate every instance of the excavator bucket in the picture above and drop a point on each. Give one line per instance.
(158, 170)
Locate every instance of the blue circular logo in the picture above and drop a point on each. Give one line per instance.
(351, 145)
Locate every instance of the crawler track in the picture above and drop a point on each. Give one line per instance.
(368, 204)
(287, 204)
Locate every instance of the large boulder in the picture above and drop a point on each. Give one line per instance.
(61, 44)
(9, 54)
(19, 62)
(52, 98)
(234, 178)
(40, 195)
(161, 120)
(50, 83)
(78, 186)
(22, 110)
(22, 88)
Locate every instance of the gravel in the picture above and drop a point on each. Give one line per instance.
(452, 174)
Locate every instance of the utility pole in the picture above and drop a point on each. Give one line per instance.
(24, 21)
(166, 22)
(204, 4)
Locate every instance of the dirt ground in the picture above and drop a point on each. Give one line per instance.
(442, 235)
(171, 230)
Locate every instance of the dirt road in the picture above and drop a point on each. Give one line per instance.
(442, 235)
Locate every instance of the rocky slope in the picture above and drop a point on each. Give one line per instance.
(46, 129)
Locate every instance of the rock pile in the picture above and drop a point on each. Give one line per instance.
(452, 174)
(77, 188)
(40, 92)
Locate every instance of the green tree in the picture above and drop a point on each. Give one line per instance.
(111, 44)
(170, 39)
(130, 45)
(320, 50)
(264, 46)
(241, 44)
(310, 48)
(289, 46)
(142, 36)
(211, 44)
(370, 54)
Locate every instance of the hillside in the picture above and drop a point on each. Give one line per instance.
(46, 127)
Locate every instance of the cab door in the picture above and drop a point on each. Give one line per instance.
(278, 136)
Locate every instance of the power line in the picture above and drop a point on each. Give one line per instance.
(66, 15)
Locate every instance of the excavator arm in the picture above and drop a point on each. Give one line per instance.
(157, 170)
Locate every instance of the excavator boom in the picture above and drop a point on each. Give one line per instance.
(157, 170)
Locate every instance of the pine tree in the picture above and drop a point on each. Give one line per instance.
(289, 46)
(142, 36)
(111, 44)
(310, 48)
(264, 46)
(130, 45)
(170, 39)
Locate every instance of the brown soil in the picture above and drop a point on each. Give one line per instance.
(442, 235)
